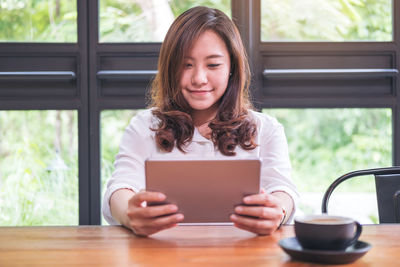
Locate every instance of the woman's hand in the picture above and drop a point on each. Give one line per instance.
(145, 220)
(262, 214)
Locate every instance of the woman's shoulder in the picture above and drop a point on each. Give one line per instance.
(143, 114)
(263, 119)
(267, 126)
(143, 118)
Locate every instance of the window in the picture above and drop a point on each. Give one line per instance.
(144, 21)
(85, 66)
(326, 20)
(39, 167)
(339, 56)
(43, 116)
(327, 143)
(38, 21)
(125, 69)
(113, 124)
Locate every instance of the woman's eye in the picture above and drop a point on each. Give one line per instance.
(188, 65)
(213, 65)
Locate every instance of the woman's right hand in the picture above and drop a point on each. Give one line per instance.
(145, 220)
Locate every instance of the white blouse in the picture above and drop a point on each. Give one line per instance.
(138, 144)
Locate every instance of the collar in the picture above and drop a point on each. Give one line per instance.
(197, 137)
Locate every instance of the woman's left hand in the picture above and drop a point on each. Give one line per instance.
(261, 214)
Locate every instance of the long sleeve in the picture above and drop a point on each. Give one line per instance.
(136, 146)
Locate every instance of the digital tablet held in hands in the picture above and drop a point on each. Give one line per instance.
(205, 191)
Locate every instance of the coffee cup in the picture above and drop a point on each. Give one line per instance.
(326, 232)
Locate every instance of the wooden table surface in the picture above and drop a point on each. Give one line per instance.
(180, 246)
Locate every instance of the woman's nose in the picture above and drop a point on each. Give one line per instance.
(199, 77)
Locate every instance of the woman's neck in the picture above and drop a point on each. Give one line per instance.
(201, 117)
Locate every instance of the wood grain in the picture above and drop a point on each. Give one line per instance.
(180, 246)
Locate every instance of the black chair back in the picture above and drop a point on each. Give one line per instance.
(387, 182)
(388, 197)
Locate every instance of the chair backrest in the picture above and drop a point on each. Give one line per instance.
(388, 197)
(387, 182)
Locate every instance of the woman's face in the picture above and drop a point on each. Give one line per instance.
(205, 73)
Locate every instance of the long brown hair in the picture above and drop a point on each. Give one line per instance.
(232, 125)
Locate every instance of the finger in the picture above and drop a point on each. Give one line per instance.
(147, 196)
(261, 199)
(253, 230)
(146, 231)
(163, 221)
(146, 227)
(168, 226)
(253, 223)
(258, 211)
(156, 211)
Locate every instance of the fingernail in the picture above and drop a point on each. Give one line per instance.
(233, 217)
(246, 199)
(179, 216)
(161, 196)
(173, 208)
(238, 209)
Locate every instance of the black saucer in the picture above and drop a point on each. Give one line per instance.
(292, 247)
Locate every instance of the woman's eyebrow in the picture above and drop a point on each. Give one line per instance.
(207, 57)
(215, 56)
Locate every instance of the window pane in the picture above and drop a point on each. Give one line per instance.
(113, 124)
(38, 168)
(145, 20)
(326, 20)
(327, 143)
(38, 21)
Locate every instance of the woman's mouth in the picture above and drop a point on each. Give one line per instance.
(199, 92)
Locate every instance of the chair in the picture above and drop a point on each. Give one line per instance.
(387, 182)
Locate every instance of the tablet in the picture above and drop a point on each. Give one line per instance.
(205, 191)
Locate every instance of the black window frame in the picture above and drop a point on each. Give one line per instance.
(249, 16)
(102, 81)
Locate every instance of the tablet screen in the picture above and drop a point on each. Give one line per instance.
(205, 191)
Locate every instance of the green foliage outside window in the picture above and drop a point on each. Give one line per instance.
(38, 168)
(327, 143)
(135, 20)
(326, 20)
(38, 21)
(140, 20)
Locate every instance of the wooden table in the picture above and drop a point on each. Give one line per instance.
(180, 246)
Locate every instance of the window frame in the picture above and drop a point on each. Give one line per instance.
(249, 15)
(76, 99)
(96, 91)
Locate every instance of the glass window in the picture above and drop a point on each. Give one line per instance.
(145, 20)
(38, 168)
(38, 21)
(327, 143)
(326, 20)
(113, 124)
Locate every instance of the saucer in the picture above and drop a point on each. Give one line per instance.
(292, 247)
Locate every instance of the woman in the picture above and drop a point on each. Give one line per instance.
(200, 107)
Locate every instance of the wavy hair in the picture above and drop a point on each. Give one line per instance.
(232, 125)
